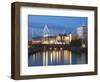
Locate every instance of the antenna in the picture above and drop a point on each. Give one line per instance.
(45, 31)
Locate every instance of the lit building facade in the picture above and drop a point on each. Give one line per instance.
(59, 39)
(47, 38)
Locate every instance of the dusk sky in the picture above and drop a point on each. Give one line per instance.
(56, 24)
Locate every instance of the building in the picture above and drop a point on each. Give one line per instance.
(64, 38)
(82, 33)
(59, 39)
(55, 39)
(48, 38)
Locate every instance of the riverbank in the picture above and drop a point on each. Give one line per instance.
(41, 48)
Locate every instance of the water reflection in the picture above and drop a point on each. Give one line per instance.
(56, 57)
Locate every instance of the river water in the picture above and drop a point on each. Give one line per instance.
(56, 57)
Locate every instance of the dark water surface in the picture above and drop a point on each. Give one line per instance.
(56, 57)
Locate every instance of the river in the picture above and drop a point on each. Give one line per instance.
(56, 57)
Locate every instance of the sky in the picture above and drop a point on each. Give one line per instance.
(56, 24)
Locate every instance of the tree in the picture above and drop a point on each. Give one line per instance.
(76, 43)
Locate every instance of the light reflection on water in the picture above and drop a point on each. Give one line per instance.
(56, 57)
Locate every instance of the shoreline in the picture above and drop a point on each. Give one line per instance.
(41, 48)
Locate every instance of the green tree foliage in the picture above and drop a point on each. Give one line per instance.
(76, 43)
(33, 49)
